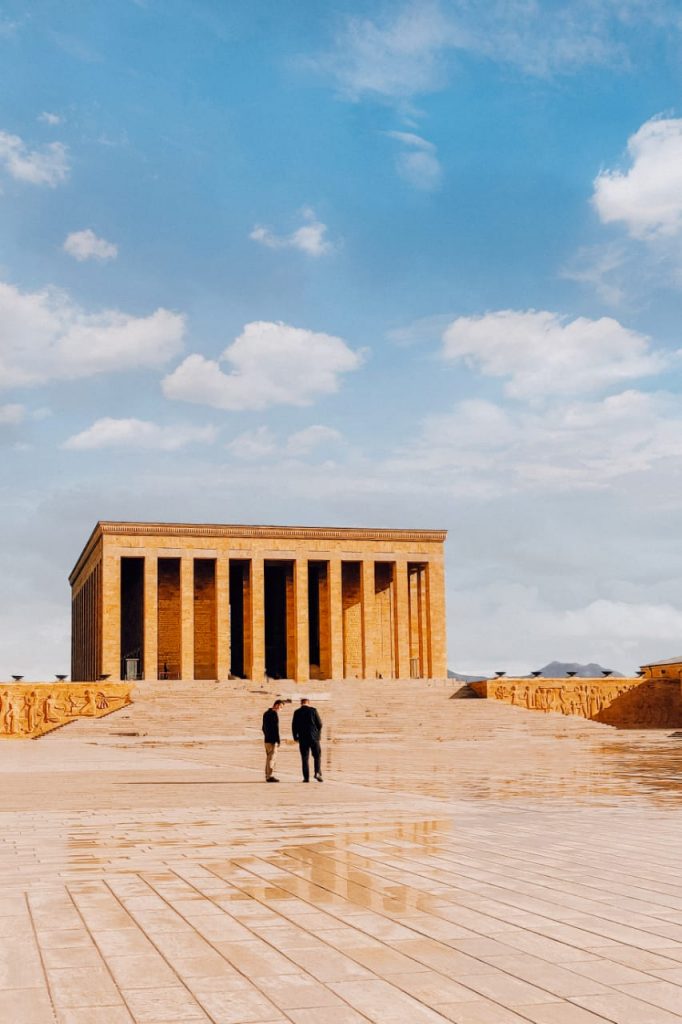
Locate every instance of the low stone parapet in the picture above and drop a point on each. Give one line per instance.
(628, 703)
(29, 710)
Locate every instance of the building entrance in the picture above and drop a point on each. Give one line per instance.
(279, 615)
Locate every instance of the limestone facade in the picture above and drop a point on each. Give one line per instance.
(172, 601)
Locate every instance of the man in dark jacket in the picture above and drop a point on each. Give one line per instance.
(271, 737)
(306, 726)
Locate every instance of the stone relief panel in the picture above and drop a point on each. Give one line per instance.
(628, 703)
(29, 710)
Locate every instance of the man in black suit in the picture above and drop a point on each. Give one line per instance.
(306, 725)
(271, 737)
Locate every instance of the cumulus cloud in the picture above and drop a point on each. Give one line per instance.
(417, 162)
(541, 353)
(310, 238)
(646, 198)
(46, 336)
(48, 165)
(49, 118)
(85, 245)
(268, 364)
(139, 434)
(482, 448)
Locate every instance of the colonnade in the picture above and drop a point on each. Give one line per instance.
(190, 617)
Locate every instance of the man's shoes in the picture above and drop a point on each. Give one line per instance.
(305, 780)
(272, 779)
(318, 778)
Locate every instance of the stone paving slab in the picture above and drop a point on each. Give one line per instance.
(462, 862)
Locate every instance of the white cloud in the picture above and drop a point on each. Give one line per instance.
(623, 620)
(647, 198)
(396, 57)
(46, 166)
(309, 238)
(417, 163)
(48, 118)
(302, 442)
(46, 336)
(139, 434)
(517, 628)
(253, 444)
(541, 353)
(12, 414)
(603, 268)
(261, 443)
(269, 364)
(482, 448)
(85, 245)
(406, 51)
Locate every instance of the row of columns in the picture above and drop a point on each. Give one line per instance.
(254, 616)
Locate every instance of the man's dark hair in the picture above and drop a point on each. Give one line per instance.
(278, 703)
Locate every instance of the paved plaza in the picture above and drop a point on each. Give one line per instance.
(463, 861)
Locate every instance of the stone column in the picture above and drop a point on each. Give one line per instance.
(111, 615)
(222, 604)
(151, 617)
(402, 622)
(187, 617)
(302, 664)
(368, 618)
(335, 618)
(438, 667)
(256, 612)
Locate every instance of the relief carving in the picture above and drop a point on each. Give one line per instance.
(29, 710)
(587, 699)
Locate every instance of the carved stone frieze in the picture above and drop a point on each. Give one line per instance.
(29, 710)
(631, 703)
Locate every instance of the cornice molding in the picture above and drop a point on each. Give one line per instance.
(125, 529)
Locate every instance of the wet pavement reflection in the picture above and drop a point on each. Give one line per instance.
(464, 861)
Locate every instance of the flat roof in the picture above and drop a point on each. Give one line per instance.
(667, 661)
(158, 529)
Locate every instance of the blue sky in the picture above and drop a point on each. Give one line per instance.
(384, 264)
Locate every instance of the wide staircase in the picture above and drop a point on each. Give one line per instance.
(390, 734)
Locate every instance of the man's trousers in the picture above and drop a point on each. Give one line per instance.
(270, 759)
(308, 747)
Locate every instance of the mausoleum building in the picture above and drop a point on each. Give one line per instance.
(189, 601)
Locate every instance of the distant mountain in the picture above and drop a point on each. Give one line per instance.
(553, 670)
(557, 669)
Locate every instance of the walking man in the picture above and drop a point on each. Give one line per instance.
(306, 726)
(271, 737)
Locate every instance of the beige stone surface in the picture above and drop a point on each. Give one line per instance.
(465, 860)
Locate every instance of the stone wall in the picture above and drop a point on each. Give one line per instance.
(384, 616)
(352, 619)
(86, 626)
(170, 619)
(205, 621)
(629, 703)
